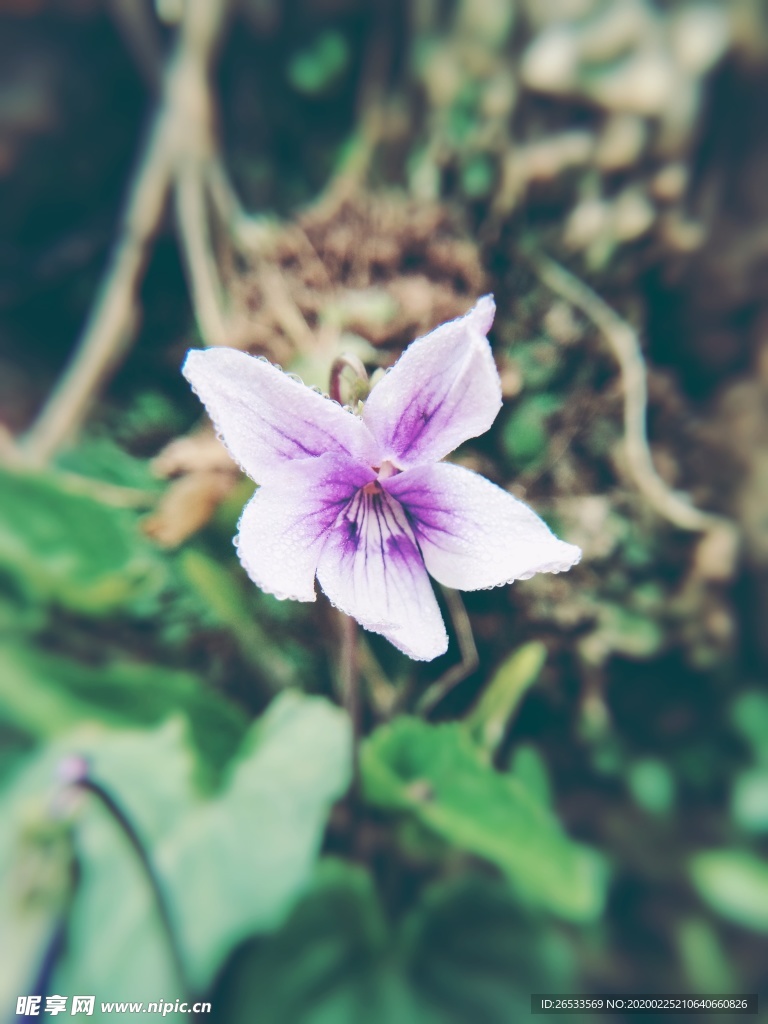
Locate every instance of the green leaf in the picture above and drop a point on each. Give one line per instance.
(224, 601)
(320, 65)
(539, 361)
(733, 883)
(435, 773)
(231, 864)
(525, 434)
(750, 716)
(71, 550)
(36, 868)
(477, 176)
(622, 631)
(463, 953)
(47, 695)
(489, 719)
(705, 960)
(652, 785)
(530, 771)
(15, 747)
(263, 832)
(750, 800)
(327, 965)
(102, 459)
(472, 955)
(148, 416)
(116, 947)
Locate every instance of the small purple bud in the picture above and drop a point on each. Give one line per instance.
(72, 770)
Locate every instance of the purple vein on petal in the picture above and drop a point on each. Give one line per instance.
(375, 573)
(472, 534)
(444, 389)
(285, 525)
(267, 419)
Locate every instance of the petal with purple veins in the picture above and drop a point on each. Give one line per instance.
(444, 389)
(285, 525)
(472, 533)
(267, 419)
(371, 569)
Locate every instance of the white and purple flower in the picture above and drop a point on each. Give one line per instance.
(364, 502)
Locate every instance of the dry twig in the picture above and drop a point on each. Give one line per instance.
(180, 145)
(625, 345)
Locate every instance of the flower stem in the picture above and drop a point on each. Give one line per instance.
(120, 818)
(349, 675)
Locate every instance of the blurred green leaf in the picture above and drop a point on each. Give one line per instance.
(15, 747)
(463, 116)
(622, 631)
(530, 771)
(435, 773)
(463, 953)
(71, 550)
(525, 434)
(750, 716)
(735, 884)
(705, 960)
(477, 176)
(47, 695)
(263, 833)
(102, 459)
(232, 864)
(224, 600)
(750, 800)
(327, 965)
(36, 869)
(316, 68)
(150, 416)
(652, 785)
(116, 948)
(539, 361)
(489, 719)
(472, 955)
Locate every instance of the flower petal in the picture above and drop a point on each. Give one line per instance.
(266, 418)
(443, 389)
(371, 569)
(284, 526)
(472, 533)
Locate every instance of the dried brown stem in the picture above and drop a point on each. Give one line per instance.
(247, 233)
(625, 345)
(203, 277)
(112, 320)
(180, 141)
(278, 296)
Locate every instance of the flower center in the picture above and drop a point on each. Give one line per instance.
(384, 471)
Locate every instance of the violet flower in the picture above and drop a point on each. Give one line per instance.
(364, 502)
